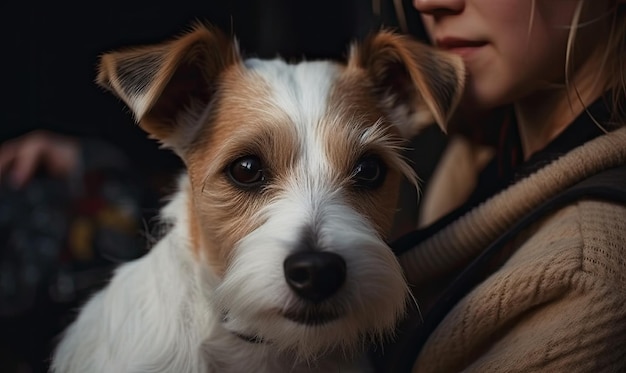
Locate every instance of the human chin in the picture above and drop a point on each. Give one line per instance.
(484, 92)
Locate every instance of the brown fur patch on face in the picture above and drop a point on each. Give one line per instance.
(356, 125)
(243, 122)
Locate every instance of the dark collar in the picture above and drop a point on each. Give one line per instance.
(251, 338)
(248, 338)
(509, 166)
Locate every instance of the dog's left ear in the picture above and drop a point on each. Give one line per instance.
(416, 84)
(168, 85)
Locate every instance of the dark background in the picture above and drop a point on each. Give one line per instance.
(47, 71)
(51, 50)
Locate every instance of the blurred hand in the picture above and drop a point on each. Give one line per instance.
(22, 157)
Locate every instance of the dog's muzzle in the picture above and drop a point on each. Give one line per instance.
(315, 275)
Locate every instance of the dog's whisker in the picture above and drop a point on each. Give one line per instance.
(417, 306)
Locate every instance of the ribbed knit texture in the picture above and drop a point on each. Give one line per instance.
(464, 239)
(559, 303)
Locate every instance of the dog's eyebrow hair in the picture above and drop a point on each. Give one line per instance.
(275, 151)
(374, 133)
(378, 137)
(204, 180)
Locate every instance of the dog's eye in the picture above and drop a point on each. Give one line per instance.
(369, 172)
(246, 171)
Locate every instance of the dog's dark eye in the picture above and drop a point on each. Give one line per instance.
(246, 171)
(369, 172)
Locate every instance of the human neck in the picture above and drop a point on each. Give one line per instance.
(542, 116)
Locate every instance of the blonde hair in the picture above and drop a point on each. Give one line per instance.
(617, 64)
(613, 65)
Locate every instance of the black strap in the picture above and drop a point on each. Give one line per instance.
(608, 185)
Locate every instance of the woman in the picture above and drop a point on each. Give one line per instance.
(551, 75)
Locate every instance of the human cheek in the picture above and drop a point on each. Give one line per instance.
(516, 72)
(485, 88)
(493, 76)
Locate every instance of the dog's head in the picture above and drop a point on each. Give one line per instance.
(293, 172)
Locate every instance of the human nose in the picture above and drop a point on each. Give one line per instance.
(439, 7)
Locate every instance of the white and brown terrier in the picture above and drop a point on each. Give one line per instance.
(276, 260)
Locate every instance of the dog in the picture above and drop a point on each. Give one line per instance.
(276, 257)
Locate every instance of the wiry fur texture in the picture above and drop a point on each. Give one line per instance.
(217, 279)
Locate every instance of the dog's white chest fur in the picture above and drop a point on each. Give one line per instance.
(276, 259)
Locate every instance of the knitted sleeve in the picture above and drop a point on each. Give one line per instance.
(558, 305)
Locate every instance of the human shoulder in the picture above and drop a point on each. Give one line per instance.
(603, 233)
(556, 304)
(585, 240)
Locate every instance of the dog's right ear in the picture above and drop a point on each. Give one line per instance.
(166, 83)
(416, 84)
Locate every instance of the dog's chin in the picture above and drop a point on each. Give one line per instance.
(299, 317)
(306, 332)
(311, 316)
(303, 318)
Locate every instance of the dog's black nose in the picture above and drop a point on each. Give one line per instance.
(315, 275)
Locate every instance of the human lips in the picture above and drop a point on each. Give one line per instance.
(460, 46)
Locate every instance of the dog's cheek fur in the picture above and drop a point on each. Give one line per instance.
(220, 211)
(221, 214)
(380, 205)
(353, 111)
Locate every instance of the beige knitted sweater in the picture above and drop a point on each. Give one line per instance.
(559, 303)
